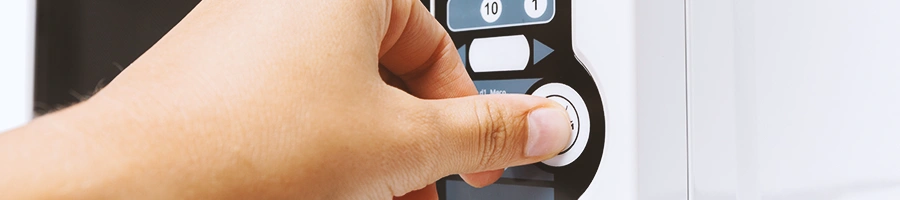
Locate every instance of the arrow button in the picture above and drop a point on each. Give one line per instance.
(462, 54)
(541, 51)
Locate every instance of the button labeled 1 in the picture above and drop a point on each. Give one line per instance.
(580, 120)
(535, 8)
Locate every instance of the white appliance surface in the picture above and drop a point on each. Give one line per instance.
(635, 49)
(16, 62)
(794, 99)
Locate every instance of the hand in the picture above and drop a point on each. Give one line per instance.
(341, 99)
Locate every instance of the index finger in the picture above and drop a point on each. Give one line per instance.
(418, 50)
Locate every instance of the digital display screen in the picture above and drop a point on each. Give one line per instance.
(517, 183)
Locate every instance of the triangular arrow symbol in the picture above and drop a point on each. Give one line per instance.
(462, 54)
(541, 51)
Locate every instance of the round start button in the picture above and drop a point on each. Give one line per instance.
(573, 118)
(578, 116)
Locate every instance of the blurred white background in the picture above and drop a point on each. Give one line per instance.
(16, 62)
(794, 99)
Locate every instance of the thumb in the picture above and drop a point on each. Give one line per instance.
(488, 132)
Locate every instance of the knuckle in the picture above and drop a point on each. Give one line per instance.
(494, 134)
(420, 137)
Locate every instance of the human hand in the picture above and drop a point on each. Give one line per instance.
(340, 99)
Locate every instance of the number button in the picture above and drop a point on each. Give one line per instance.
(535, 8)
(491, 10)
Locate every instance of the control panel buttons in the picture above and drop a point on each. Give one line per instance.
(578, 114)
(469, 15)
(525, 47)
(535, 8)
(504, 53)
(541, 51)
(491, 10)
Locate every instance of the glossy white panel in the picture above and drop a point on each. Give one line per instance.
(635, 49)
(603, 39)
(661, 99)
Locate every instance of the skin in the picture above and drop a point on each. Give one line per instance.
(284, 99)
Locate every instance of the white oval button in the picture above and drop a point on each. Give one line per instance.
(504, 53)
(578, 114)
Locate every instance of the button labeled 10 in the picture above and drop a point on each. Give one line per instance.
(491, 10)
(535, 8)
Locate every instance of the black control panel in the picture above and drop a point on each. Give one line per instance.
(525, 46)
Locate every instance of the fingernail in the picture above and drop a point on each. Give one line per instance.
(548, 132)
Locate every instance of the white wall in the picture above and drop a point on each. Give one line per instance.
(16, 62)
(794, 99)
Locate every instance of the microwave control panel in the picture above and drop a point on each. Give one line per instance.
(525, 47)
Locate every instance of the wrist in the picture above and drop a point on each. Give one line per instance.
(56, 156)
(119, 154)
(156, 154)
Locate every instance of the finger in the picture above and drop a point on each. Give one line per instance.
(482, 179)
(429, 192)
(418, 50)
(489, 132)
(391, 79)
